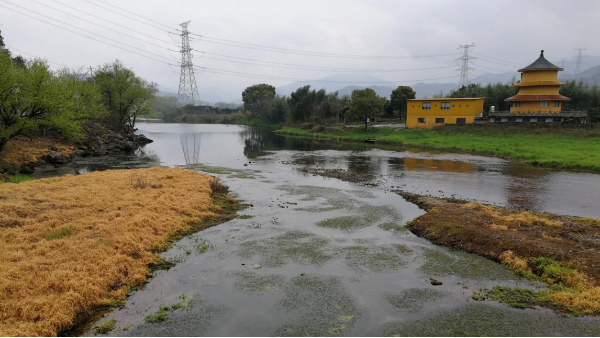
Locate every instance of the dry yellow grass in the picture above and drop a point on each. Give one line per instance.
(73, 243)
(514, 261)
(517, 219)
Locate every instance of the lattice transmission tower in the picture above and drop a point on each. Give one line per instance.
(465, 62)
(188, 91)
(578, 65)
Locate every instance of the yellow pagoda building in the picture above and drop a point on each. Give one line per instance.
(538, 98)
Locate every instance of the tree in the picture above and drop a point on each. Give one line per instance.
(300, 104)
(399, 99)
(124, 94)
(1, 42)
(33, 97)
(364, 102)
(256, 99)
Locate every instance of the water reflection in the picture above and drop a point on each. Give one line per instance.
(428, 164)
(190, 145)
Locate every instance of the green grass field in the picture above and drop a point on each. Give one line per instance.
(572, 148)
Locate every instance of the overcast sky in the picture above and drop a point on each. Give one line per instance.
(510, 32)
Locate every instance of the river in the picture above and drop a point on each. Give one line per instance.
(317, 256)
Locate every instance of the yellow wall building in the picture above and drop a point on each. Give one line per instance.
(430, 113)
(538, 89)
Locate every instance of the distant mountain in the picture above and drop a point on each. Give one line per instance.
(497, 78)
(338, 82)
(383, 91)
(591, 76)
(428, 90)
(570, 65)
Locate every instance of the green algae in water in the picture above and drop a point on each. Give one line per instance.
(325, 307)
(393, 227)
(363, 216)
(362, 194)
(485, 320)
(463, 265)
(343, 223)
(413, 299)
(374, 259)
(253, 283)
(294, 246)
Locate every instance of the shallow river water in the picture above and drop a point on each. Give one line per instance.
(335, 258)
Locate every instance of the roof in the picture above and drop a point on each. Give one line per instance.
(539, 83)
(538, 98)
(541, 64)
(450, 99)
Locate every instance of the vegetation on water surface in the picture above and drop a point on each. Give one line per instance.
(556, 250)
(552, 146)
(74, 243)
(105, 327)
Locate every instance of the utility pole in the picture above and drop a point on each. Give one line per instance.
(188, 92)
(578, 66)
(465, 61)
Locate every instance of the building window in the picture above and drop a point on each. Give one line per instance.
(421, 120)
(439, 120)
(543, 103)
(461, 120)
(557, 103)
(445, 105)
(426, 105)
(517, 104)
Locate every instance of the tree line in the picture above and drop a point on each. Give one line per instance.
(317, 106)
(34, 98)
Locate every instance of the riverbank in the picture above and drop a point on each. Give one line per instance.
(556, 146)
(559, 251)
(72, 244)
(23, 154)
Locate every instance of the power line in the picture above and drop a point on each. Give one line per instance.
(227, 72)
(38, 57)
(308, 53)
(125, 15)
(116, 24)
(492, 58)
(307, 67)
(140, 16)
(99, 25)
(86, 36)
(247, 45)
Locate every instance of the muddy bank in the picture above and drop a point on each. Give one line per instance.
(561, 251)
(341, 174)
(74, 244)
(23, 154)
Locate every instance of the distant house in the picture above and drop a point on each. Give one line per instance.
(430, 113)
(538, 98)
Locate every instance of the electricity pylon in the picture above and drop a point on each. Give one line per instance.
(578, 66)
(465, 61)
(188, 91)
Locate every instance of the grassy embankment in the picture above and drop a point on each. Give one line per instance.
(572, 148)
(560, 251)
(72, 244)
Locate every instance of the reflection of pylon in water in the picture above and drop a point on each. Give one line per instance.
(190, 145)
